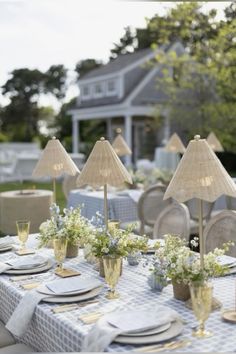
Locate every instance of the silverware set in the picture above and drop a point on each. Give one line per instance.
(73, 306)
(177, 344)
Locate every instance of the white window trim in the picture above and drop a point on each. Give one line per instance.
(83, 96)
(113, 92)
(98, 94)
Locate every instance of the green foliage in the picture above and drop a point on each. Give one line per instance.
(84, 66)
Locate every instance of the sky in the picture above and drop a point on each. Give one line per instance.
(40, 33)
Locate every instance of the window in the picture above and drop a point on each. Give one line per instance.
(111, 86)
(85, 91)
(98, 89)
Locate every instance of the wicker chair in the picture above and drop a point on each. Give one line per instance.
(220, 229)
(174, 219)
(192, 205)
(69, 183)
(150, 206)
(231, 203)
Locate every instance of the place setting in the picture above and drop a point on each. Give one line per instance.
(6, 244)
(26, 265)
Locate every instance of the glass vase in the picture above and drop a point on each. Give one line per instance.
(112, 269)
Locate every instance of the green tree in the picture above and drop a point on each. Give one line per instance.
(84, 66)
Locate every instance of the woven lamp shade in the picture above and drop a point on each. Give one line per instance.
(175, 144)
(214, 142)
(200, 174)
(103, 167)
(54, 161)
(120, 146)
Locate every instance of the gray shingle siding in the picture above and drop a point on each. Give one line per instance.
(133, 77)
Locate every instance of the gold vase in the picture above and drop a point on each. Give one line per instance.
(112, 269)
(72, 250)
(181, 291)
(201, 296)
(60, 245)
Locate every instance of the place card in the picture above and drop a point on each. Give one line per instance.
(24, 252)
(30, 286)
(66, 272)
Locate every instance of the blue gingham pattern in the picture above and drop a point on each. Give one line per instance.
(120, 207)
(49, 332)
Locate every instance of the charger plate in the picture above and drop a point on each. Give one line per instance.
(156, 330)
(34, 270)
(74, 298)
(173, 331)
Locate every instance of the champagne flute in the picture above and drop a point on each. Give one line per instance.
(23, 227)
(201, 295)
(60, 245)
(112, 268)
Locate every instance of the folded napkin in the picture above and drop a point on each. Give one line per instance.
(73, 284)
(102, 333)
(26, 262)
(21, 317)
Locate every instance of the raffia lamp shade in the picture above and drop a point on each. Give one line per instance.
(214, 142)
(200, 175)
(54, 162)
(120, 146)
(175, 144)
(103, 167)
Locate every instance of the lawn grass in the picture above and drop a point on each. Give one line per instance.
(12, 186)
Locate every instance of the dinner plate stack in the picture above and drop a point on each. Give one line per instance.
(143, 326)
(71, 289)
(28, 265)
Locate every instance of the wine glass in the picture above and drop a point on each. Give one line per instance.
(201, 295)
(23, 227)
(112, 268)
(60, 245)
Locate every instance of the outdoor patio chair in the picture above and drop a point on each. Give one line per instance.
(220, 229)
(69, 183)
(6, 338)
(174, 219)
(192, 205)
(231, 203)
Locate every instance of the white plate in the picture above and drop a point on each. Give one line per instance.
(159, 329)
(174, 330)
(81, 297)
(44, 290)
(40, 269)
(6, 248)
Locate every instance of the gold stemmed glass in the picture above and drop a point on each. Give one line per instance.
(201, 295)
(60, 245)
(23, 227)
(112, 268)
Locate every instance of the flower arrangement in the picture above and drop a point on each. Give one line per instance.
(182, 265)
(159, 175)
(70, 225)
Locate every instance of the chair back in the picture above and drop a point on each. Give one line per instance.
(69, 183)
(220, 229)
(231, 203)
(150, 205)
(192, 205)
(174, 219)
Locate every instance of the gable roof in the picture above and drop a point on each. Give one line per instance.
(117, 64)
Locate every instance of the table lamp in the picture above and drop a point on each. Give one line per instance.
(200, 175)
(120, 146)
(214, 142)
(175, 144)
(103, 167)
(54, 162)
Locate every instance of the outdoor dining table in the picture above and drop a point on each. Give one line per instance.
(64, 332)
(121, 206)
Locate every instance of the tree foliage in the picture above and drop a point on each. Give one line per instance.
(84, 66)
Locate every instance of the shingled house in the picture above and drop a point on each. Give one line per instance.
(124, 93)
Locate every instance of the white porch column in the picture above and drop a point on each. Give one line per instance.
(109, 130)
(128, 137)
(75, 136)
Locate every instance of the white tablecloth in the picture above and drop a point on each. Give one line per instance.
(64, 332)
(121, 207)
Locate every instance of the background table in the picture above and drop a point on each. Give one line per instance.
(15, 205)
(64, 332)
(120, 206)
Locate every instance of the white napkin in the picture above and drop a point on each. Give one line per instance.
(5, 241)
(26, 262)
(227, 260)
(21, 317)
(102, 334)
(72, 284)
(135, 194)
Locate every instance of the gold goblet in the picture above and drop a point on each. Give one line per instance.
(23, 227)
(201, 295)
(113, 224)
(60, 245)
(112, 268)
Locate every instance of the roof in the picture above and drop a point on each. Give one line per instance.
(117, 64)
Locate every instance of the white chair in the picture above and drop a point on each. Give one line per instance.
(231, 203)
(174, 219)
(220, 229)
